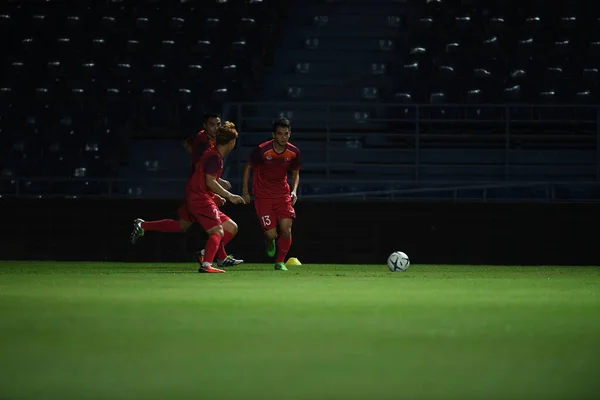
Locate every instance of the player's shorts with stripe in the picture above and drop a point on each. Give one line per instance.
(269, 211)
(205, 213)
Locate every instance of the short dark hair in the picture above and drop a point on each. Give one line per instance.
(281, 123)
(210, 115)
(226, 133)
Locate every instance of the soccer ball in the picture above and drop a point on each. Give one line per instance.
(398, 262)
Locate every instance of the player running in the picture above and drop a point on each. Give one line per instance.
(273, 200)
(200, 205)
(196, 146)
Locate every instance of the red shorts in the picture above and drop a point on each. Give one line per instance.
(269, 211)
(207, 214)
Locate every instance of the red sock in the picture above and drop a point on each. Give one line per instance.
(211, 247)
(221, 253)
(283, 246)
(164, 225)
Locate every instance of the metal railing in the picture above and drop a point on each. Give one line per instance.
(543, 192)
(330, 120)
(416, 121)
(395, 190)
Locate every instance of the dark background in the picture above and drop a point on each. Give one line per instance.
(410, 98)
(325, 232)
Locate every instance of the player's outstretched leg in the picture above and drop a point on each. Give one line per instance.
(284, 242)
(230, 230)
(164, 225)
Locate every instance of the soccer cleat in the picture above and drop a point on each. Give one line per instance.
(137, 231)
(209, 269)
(229, 262)
(206, 267)
(271, 248)
(280, 267)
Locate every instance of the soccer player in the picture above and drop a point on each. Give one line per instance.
(273, 200)
(195, 146)
(199, 197)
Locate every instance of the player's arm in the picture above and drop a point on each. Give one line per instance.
(295, 180)
(213, 184)
(295, 183)
(254, 160)
(224, 183)
(212, 166)
(296, 165)
(245, 181)
(188, 144)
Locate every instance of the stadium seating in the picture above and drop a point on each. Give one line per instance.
(451, 58)
(522, 52)
(81, 78)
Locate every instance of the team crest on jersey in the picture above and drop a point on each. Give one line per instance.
(287, 159)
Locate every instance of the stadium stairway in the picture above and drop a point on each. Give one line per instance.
(331, 51)
(157, 168)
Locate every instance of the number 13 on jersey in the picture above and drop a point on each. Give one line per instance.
(266, 220)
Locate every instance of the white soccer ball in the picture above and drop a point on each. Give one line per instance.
(398, 262)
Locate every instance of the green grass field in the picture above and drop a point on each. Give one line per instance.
(132, 331)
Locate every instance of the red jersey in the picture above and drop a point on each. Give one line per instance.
(271, 169)
(199, 143)
(210, 163)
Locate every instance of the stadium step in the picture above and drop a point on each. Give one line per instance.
(340, 56)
